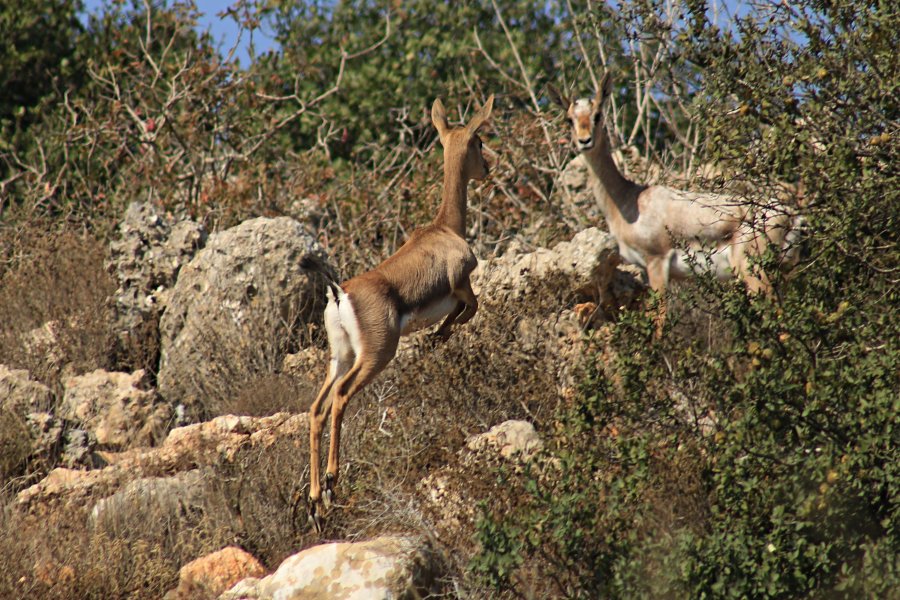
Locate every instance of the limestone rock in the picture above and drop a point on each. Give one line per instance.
(210, 575)
(510, 439)
(115, 409)
(383, 568)
(308, 364)
(78, 448)
(234, 309)
(150, 499)
(590, 261)
(575, 194)
(451, 494)
(186, 448)
(29, 434)
(46, 434)
(145, 260)
(22, 395)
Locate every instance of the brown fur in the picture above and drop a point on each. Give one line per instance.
(425, 280)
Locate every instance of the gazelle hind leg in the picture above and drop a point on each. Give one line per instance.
(369, 363)
(342, 358)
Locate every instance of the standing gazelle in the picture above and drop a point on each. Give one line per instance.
(648, 221)
(426, 280)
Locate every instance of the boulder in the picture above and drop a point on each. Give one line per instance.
(210, 575)
(145, 260)
(510, 439)
(384, 568)
(235, 309)
(151, 500)
(22, 395)
(184, 449)
(590, 262)
(115, 409)
(29, 434)
(452, 493)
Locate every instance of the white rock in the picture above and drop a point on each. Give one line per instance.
(380, 569)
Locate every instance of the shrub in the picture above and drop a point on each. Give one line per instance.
(761, 464)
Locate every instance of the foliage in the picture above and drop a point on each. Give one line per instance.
(752, 452)
(762, 464)
(432, 52)
(37, 58)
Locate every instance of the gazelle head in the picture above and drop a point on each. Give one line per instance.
(586, 115)
(462, 144)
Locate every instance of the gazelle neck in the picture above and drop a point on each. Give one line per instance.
(452, 211)
(619, 193)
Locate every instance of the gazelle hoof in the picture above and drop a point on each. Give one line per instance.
(328, 493)
(313, 518)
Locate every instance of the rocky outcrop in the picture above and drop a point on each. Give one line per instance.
(512, 440)
(115, 408)
(452, 493)
(165, 498)
(185, 449)
(21, 394)
(145, 260)
(589, 261)
(384, 568)
(28, 432)
(234, 309)
(210, 575)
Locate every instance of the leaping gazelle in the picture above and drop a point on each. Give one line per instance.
(425, 281)
(658, 228)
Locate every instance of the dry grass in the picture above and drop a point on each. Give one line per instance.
(53, 305)
(59, 556)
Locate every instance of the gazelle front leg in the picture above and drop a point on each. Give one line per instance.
(465, 309)
(657, 275)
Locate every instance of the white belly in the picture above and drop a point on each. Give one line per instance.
(631, 255)
(427, 315)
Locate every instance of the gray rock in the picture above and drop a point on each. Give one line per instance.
(22, 395)
(384, 568)
(146, 260)
(234, 309)
(77, 449)
(27, 430)
(151, 500)
(46, 435)
(590, 261)
(510, 439)
(448, 492)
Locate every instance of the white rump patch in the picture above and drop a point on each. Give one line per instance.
(343, 335)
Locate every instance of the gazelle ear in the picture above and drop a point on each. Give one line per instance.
(439, 118)
(482, 115)
(557, 97)
(605, 87)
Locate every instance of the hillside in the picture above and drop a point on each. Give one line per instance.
(161, 344)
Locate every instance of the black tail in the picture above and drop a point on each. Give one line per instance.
(316, 264)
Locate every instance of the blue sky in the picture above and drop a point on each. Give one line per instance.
(224, 30)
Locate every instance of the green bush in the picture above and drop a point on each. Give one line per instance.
(756, 456)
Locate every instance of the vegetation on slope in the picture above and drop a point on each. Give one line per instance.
(752, 452)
